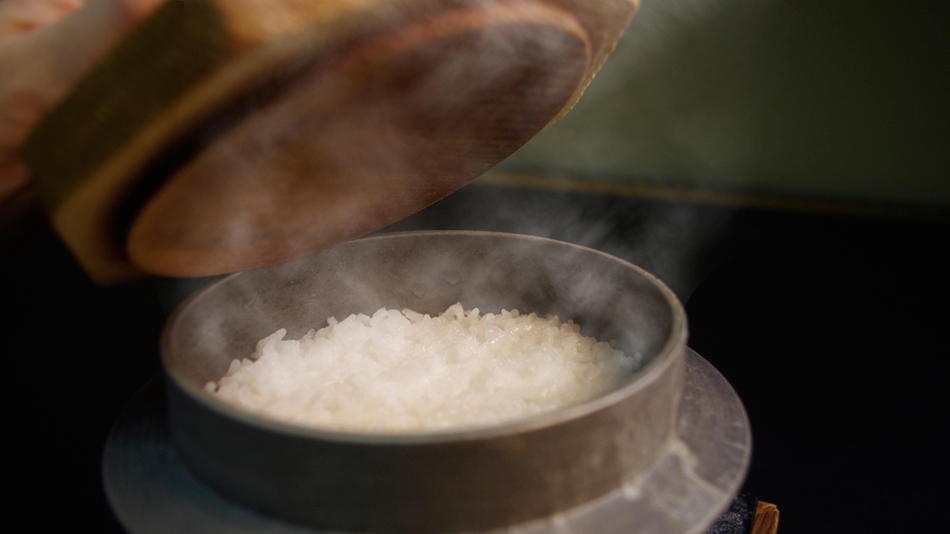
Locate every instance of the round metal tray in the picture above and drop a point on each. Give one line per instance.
(684, 491)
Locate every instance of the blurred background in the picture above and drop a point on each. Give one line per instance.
(783, 165)
(827, 101)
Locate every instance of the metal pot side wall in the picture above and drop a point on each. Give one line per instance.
(439, 487)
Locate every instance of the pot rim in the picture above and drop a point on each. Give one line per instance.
(673, 349)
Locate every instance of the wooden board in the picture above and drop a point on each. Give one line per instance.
(766, 519)
(224, 135)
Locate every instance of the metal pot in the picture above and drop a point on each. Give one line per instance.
(450, 481)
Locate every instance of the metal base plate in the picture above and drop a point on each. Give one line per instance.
(152, 492)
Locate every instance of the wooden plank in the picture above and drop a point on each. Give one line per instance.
(766, 519)
(225, 135)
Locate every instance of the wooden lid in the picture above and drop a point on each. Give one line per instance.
(225, 135)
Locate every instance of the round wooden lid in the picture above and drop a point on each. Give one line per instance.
(226, 135)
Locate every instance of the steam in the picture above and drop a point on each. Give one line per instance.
(369, 150)
(670, 240)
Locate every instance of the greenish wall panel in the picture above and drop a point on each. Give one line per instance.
(830, 100)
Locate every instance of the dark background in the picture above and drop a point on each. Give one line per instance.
(832, 329)
(832, 326)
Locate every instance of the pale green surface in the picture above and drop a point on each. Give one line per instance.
(791, 98)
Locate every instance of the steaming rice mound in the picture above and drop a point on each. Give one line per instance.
(405, 371)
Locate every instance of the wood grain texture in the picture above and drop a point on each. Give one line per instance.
(766, 519)
(225, 135)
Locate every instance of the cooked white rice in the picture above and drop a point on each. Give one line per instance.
(404, 371)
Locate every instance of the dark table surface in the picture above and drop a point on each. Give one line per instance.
(833, 329)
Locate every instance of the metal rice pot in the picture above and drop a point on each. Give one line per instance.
(449, 481)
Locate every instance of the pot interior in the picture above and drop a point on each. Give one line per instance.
(427, 272)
